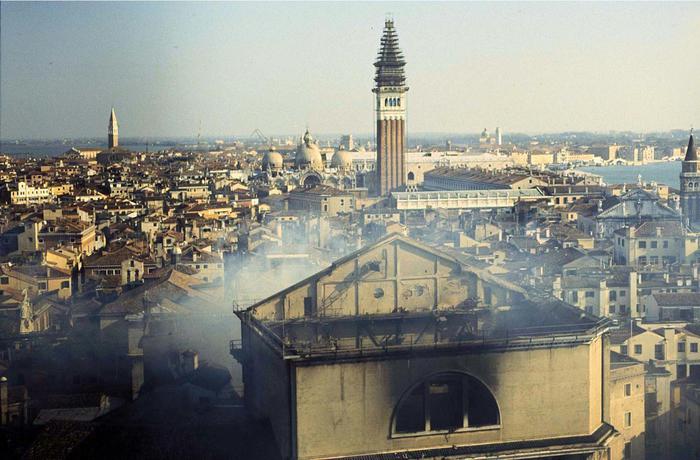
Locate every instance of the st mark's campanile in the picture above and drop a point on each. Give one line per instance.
(390, 106)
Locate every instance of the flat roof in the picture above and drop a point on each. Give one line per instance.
(469, 194)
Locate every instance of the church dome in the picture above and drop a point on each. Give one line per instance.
(308, 154)
(272, 159)
(342, 159)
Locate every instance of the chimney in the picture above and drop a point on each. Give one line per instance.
(4, 402)
(670, 345)
(190, 361)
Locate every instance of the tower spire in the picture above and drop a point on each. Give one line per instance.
(390, 61)
(113, 131)
(691, 153)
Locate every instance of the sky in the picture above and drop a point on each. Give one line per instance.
(168, 68)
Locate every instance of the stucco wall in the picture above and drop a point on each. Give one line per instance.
(620, 404)
(346, 408)
(267, 388)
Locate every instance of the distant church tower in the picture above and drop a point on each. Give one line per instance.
(390, 107)
(113, 131)
(690, 184)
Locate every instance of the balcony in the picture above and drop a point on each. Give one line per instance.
(236, 350)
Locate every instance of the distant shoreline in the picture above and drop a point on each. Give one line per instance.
(660, 171)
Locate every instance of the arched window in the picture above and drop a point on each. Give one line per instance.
(447, 401)
(411, 176)
(386, 101)
(398, 101)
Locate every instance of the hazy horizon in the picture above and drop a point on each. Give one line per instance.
(536, 68)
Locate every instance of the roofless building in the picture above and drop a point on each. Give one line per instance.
(401, 351)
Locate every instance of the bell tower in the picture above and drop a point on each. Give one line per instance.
(390, 107)
(112, 131)
(690, 184)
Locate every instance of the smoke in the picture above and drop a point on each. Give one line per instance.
(284, 253)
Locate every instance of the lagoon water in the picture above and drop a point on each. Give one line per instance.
(666, 172)
(55, 149)
(662, 172)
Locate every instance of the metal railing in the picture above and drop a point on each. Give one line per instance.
(409, 343)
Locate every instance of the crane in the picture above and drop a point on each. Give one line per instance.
(263, 138)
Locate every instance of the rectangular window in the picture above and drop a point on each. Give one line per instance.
(628, 419)
(628, 389)
(681, 347)
(574, 297)
(694, 347)
(487, 295)
(654, 244)
(590, 294)
(5, 280)
(42, 286)
(638, 349)
(681, 371)
(642, 245)
(623, 349)
(308, 307)
(642, 260)
(665, 244)
(659, 351)
(623, 293)
(65, 284)
(612, 295)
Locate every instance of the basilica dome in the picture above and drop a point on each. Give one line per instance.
(342, 159)
(272, 160)
(308, 154)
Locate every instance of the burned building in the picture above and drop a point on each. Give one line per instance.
(400, 351)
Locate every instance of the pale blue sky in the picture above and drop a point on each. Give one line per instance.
(528, 67)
